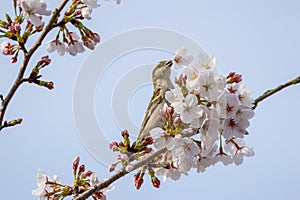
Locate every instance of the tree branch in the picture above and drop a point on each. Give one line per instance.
(27, 56)
(122, 172)
(275, 90)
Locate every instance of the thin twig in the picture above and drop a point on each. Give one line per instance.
(119, 174)
(27, 57)
(275, 90)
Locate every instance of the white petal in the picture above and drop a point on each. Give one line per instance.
(191, 100)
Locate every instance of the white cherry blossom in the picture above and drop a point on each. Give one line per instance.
(86, 12)
(207, 61)
(41, 179)
(75, 46)
(91, 3)
(208, 86)
(244, 95)
(160, 137)
(232, 105)
(172, 173)
(183, 148)
(56, 45)
(233, 128)
(209, 134)
(244, 113)
(174, 96)
(182, 58)
(224, 158)
(239, 150)
(32, 7)
(189, 109)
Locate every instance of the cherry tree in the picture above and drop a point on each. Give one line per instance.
(204, 121)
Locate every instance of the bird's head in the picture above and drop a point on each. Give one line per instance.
(162, 71)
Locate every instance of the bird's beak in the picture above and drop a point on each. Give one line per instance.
(169, 63)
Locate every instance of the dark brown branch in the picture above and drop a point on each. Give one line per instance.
(275, 90)
(119, 174)
(27, 57)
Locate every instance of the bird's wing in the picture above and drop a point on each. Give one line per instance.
(156, 99)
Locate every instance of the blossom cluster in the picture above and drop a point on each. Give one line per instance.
(51, 188)
(66, 40)
(205, 120)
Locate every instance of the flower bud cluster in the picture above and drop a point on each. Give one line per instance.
(134, 152)
(35, 74)
(70, 42)
(51, 188)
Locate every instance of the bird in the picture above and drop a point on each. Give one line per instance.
(161, 83)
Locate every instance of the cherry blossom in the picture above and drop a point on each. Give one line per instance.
(209, 134)
(182, 58)
(239, 150)
(235, 128)
(91, 3)
(232, 105)
(183, 148)
(189, 109)
(7, 48)
(174, 96)
(192, 82)
(244, 95)
(56, 45)
(172, 173)
(41, 180)
(32, 7)
(207, 61)
(86, 12)
(75, 46)
(208, 86)
(161, 138)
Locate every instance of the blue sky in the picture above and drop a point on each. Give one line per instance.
(259, 39)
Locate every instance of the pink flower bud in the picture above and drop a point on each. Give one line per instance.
(147, 150)
(96, 38)
(148, 140)
(81, 169)
(15, 28)
(89, 43)
(112, 167)
(122, 157)
(87, 174)
(14, 59)
(164, 110)
(138, 180)
(45, 60)
(114, 146)
(177, 120)
(234, 78)
(76, 163)
(155, 182)
(125, 134)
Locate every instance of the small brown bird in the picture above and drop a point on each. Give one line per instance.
(161, 82)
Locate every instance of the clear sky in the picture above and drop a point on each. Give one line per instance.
(259, 39)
